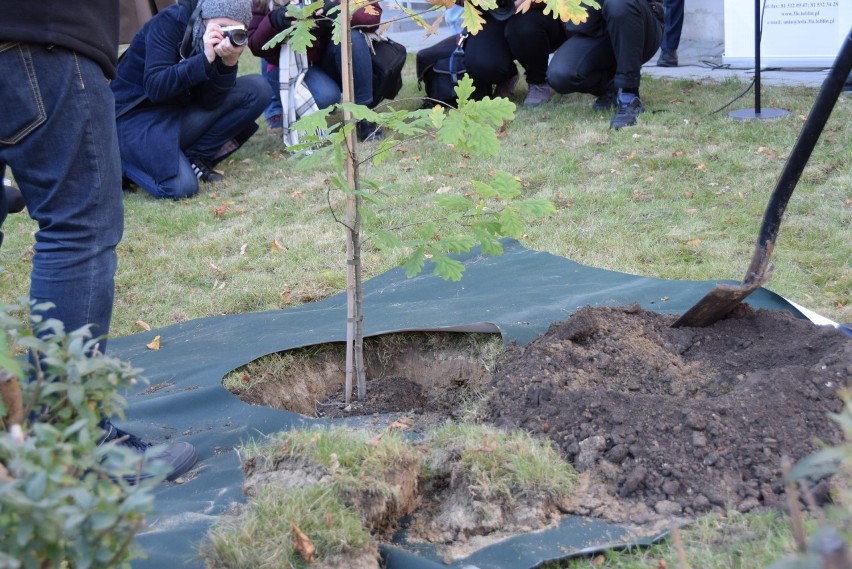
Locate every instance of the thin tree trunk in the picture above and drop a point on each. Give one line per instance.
(354, 327)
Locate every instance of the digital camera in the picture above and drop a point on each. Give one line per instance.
(237, 34)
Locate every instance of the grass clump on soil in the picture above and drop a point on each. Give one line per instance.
(351, 458)
(263, 536)
(322, 481)
(500, 465)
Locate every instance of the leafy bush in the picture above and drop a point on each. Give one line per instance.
(64, 498)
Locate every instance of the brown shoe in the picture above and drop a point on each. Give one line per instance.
(538, 94)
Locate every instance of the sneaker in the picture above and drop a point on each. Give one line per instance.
(275, 125)
(204, 170)
(180, 456)
(537, 94)
(628, 109)
(607, 100)
(14, 198)
(368, 131)
(667, 59)
(506, 88)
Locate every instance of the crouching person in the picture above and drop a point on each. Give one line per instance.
(180, 107)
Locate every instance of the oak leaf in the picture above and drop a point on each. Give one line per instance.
(144, 325)
(154, 344)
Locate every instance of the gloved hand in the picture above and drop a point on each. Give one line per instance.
(279, 18)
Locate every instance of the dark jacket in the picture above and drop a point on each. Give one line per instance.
(89, 28)
(152, 70)
(261, 30)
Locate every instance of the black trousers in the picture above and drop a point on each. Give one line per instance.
(610, 46)
(529, 38)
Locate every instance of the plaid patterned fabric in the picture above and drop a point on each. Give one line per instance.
(296, 99)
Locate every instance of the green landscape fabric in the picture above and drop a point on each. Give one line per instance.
(519, 293)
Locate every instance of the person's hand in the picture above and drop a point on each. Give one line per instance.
(279, 18)
(217, 45)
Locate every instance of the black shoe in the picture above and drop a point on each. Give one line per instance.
(14, 198)
(626, 113)
(667, 59)
(607, 100)
(180, 456)
(127, 185)
(368, 131)
(204, 170)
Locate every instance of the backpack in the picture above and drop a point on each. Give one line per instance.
(439, 69)
(388, 60)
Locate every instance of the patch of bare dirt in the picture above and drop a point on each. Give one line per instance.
(665, 422)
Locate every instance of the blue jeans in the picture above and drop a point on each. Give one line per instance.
(270, 73)
(58, 136)
(674, 25)
(362, 69)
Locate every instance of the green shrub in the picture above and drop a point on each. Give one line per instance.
(65, 499)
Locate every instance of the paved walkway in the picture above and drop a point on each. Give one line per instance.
(694, 65)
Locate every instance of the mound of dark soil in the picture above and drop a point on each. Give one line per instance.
(668, 422)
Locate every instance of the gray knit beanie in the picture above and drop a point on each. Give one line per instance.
(239, 10)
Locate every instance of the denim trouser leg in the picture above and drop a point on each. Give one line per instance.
(58, 136)
(362, 67)
(204, 132)
(674, 25)
(270, 73)
(323, 88)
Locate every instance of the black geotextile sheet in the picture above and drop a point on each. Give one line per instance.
(519, 293)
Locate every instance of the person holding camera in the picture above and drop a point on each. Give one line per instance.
(180, 107)
(322, 77)
(604, 56)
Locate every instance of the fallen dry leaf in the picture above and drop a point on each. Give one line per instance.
(297, 193)
(847, 202)
(214, 267)
(689, 195)
(286, 296)
(246, 378)
(701, 167)
(220, 210)
(303, 545)
(376, 440)
(243, 248)
(401, 425)
(154, 344)
(694, 241)
(144, 325)
(443, 190)
(677, 153)
(276, 246)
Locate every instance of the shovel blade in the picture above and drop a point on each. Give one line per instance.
(715, 305)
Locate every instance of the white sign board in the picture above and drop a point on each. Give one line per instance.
(796, 33)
